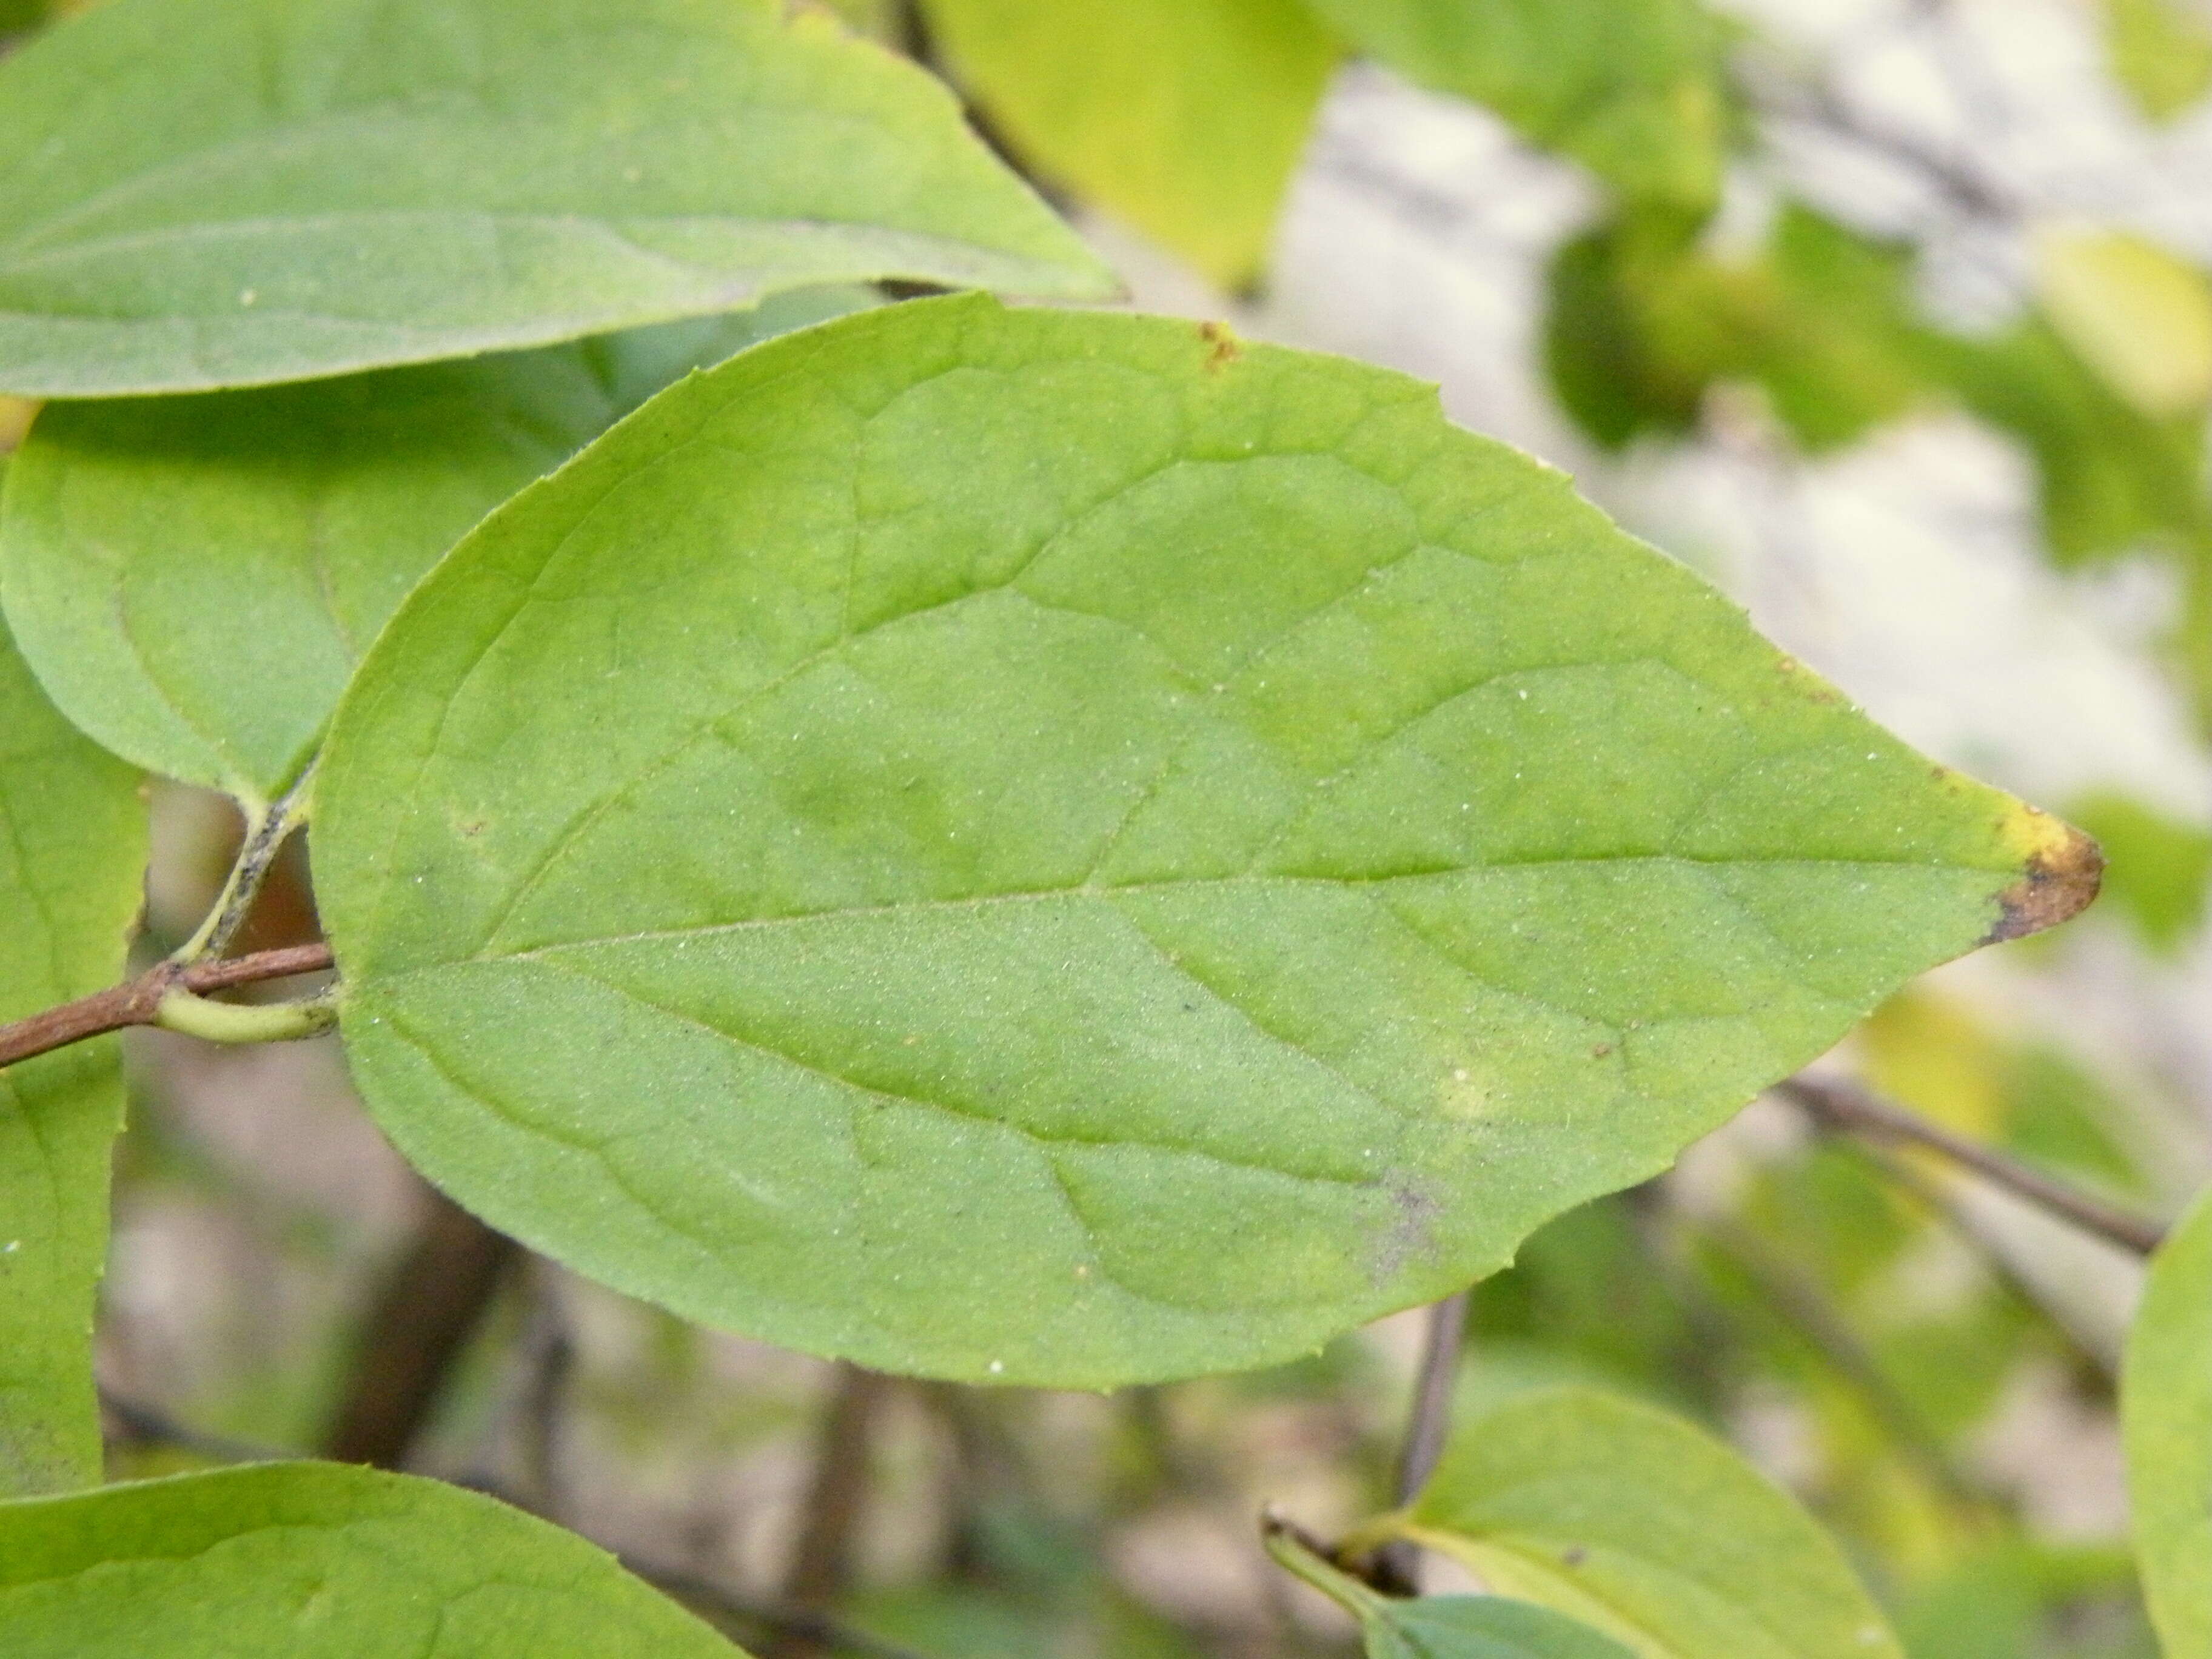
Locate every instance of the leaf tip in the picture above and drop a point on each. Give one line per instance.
(2064, 870)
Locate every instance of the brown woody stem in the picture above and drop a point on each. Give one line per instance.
(139, 1001)
(1845, 1107)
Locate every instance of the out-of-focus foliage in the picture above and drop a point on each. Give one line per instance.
(1184, 117)
(1633, 90)
(2156, 870)
(2161, 53)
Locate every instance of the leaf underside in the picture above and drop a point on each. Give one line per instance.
(318, 1561)
(197, 194)
(1061, 848)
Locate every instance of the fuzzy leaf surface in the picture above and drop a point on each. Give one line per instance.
(318, 1561)
(195, 579)
(1061, 848)
(72, 854)
(2165, 1419)
(1634, 1522)
(198, 194)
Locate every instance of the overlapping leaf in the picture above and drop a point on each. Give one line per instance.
(1184, 117)
(2165, 1411)
(197, 194)
(72, 851)
(1639, 1524)
(194, 579)
(317, 1561)
(1061, 848)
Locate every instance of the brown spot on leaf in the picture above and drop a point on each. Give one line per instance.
(1575, 1557)
(1227, 348)
(1600, 1051)
(2063, 875)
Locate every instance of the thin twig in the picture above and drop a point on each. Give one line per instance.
(144, 1424)
(1399, 1564)
(1801, 1305)
(265, 840)
(822, 1562)
(1844, 1106)
(424, 1315)
(138, 1002)
(1433, 1396)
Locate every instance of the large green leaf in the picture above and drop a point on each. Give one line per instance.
(206, 193)
(72, 851)
(1633, 89)
(1643, 1527)
(1060, 848)
(318, 1561)
(194, 579)
(2166, 1414)
(1184, 117)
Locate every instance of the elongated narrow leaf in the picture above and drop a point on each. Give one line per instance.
(205, 193)
(1062, 848)
(1637, 1523)
(194, 579)
(1633, 89)
(1185, 117)
(72, 850)
(318, 1561)
(2165, 1411)
(1444, 1627)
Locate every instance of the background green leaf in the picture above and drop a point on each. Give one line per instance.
(1636, 1522)
(1061, 848)
(194, 579)
(1184, 118)
(72, 851)
(2166, 1417)
(318, 1561)
(2160, 52)
(197, 194)
(1633, 89)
